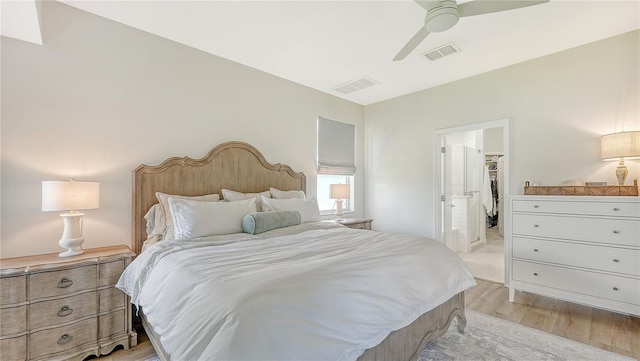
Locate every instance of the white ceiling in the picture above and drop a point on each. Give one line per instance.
(323, 44)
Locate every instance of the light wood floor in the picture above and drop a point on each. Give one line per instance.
(606, 330)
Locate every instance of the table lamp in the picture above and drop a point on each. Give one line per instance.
(339, 192)
(70, 196)
(618, 146)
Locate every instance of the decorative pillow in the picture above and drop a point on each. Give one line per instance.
(256, 223)
(308, 208)
(167, 219)
(194, 219)
(233, 196)
(278, 194)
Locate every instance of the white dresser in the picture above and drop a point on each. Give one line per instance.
(579, 249)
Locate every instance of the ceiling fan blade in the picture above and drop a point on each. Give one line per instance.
(412, 44)
(479, 7)
(426, 4)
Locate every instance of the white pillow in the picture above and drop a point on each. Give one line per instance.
(308, 208)
(194, 219)
(233, 196)
(166, 218)
(278, 194)
(155, 220)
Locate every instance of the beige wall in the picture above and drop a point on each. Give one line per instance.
(558, 105)
(100, 98)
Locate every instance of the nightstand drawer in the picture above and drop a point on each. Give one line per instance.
(358, 226)
(59, 283)
(13, 320)
(63, 338)
(13, 290)
(53, 312)
(14, 348)
(110, 272)
(111, 299)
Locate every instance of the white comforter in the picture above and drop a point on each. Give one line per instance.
(323, 294)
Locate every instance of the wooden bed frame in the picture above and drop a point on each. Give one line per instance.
(241, 167)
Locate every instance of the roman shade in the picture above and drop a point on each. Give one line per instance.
(336, 147)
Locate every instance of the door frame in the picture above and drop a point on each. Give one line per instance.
(437, 164)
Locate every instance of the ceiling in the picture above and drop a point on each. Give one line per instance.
(324, 44)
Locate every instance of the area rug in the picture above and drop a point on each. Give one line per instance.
(488, 338)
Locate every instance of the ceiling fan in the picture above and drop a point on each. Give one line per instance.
(444, 14)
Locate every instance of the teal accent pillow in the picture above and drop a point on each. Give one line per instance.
(256, 223)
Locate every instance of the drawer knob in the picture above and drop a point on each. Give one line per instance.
(536, 206)
(616, 232)
(535, 250)
(616, 209)
(536, 225)
(535, 273)
(615, 288)
(65, 311)
(616, 260)
(65, 282)
(66, 338)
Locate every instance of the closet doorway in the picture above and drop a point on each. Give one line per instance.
(472, 172)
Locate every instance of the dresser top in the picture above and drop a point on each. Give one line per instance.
(52, 260)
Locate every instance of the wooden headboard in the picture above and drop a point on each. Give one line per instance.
(233, 165)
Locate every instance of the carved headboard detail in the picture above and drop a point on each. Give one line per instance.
(233, 165)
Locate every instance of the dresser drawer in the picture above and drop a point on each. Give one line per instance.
(58, 283)
(13, 290)
(616, 288)
(13, 320)
(110, 272)
(619, 260)
(614, 209)
(603, 230)
(14, 349)
(112, 324)
(111, 299)
(62, 310)
(63, 338)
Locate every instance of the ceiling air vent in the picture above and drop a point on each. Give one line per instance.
(442, 51)
(355, 85)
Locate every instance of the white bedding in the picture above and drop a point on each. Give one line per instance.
(327, 293)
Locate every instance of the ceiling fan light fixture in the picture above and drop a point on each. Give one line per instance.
(443, 17)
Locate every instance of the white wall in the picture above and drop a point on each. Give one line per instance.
(100, 98)
(558, 105)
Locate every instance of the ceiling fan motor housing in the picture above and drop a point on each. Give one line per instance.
(443, 16)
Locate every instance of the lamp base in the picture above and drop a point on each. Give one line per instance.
(339, 212)
(71, 252)
(72, 238)
(621, 172)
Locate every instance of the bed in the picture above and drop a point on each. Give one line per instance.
(319, 305)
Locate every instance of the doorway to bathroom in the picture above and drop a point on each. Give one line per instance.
(472, 169)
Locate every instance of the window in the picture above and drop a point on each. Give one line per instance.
(326, 204)
(336, 161)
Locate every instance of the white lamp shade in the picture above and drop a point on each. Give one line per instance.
(70, 195)
(339, 191)
(620, 145)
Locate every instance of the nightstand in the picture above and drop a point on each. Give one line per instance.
(356, 223)
(64, 308)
